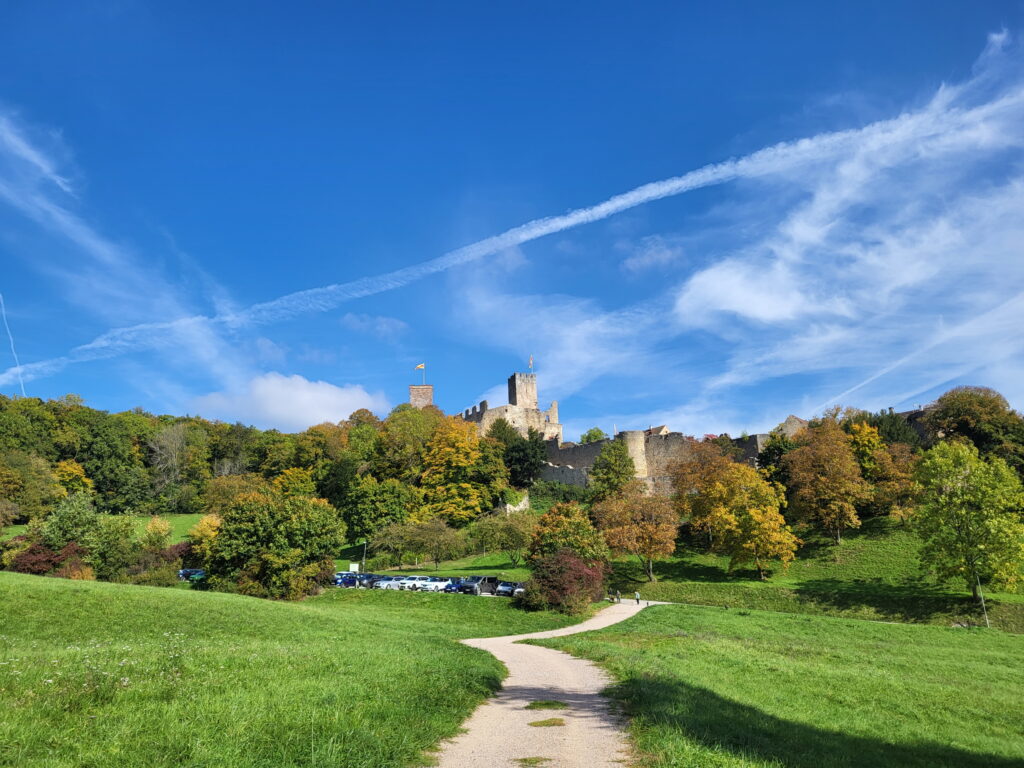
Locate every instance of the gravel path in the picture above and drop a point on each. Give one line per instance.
(498, 734)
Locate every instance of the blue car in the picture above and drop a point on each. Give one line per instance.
(191, 574)
(344, 579)
(453, 587)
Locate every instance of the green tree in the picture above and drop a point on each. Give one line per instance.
(969, 516)
(770, 458)
(402, 442)
(437, 540)
(374, 504)
(74, 519)
(612, 470)
(639, 524)
(28, 485)
(982, 416)
(504, 433)
(567, 527)
(112, 546)
(593, 435)
(272, 545)
(525, 459)
(509, 534)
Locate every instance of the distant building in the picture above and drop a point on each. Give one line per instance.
(522, 411)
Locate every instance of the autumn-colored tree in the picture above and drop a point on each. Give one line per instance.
(969, 516)
(612, 470)
(295, 481)
(402, 443)
(454, 486)
(567, 527)
(740, 509)
(825, 482)
(28, 484)
(894, 491)
(509, 534)
(203, 533)
(694, 479)
(637, 523)
(157, 535)
(71, 475)
(221, 492)
(866, 444)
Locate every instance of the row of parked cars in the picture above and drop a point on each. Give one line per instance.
(466, 585)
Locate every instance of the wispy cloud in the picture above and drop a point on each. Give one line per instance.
(651, 252)
(10, 338)
(386, 328)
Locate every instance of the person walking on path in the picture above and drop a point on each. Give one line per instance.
(618, 596)
(637, 596)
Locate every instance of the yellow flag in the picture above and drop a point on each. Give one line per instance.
(421, 365)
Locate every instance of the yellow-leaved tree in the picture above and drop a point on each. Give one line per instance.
(460, 479)
(741, 511)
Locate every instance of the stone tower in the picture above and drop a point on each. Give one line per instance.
(421, 395)
(522, 390)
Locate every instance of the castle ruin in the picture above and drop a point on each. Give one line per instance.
(653, 450)
(522, 411)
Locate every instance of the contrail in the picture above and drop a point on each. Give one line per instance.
(10, 337)
(935, 123)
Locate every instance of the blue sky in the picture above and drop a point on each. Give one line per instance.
(706, 217)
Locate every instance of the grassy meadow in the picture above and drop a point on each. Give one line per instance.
(96, 674)
(874, 574)
(180, 526)
(727, 688)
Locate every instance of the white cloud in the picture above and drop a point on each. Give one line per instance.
(289, 403)
(652, 252)
(386, 328)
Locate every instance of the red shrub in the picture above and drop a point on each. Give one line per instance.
(564, 582)
(37, 560)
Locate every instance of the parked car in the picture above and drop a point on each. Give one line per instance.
(453, 585)
(388, 582)
(367, 580)
(479, 585)
(506, 588)
(435, 584)
(520, 589)
(186, 574)
(413, 583)
(345, 579)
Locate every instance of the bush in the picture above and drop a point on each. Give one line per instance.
(36, 559)
(563, 582)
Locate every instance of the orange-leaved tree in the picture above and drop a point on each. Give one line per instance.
(825, 481)
(636, 523)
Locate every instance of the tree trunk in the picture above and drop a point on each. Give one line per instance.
(974, 589)
(649, 564)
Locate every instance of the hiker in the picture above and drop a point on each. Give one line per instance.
(637, 596)
(618, 596)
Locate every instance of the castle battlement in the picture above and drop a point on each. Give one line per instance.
(522, 411)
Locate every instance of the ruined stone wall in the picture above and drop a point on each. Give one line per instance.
(564, 474)
(574, 454)
(521, 419)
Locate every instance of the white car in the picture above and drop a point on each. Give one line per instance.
(389, 582)
(434, 584)
(413, 583)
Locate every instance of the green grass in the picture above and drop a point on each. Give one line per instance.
(96, 674)
(492, 564)
(720, 688)
(180, 526)
(874, 574)
(551, 722)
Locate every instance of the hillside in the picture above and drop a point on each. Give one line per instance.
(104, 674)
(875, 574)
(731, 688)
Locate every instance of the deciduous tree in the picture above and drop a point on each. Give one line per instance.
(825, 480)
(509, 534)
(612, 470)
(969, 516)
(636, 523)
(593, 435)
(567, 527)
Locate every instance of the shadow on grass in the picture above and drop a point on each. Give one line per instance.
(718, 723)
(910, 602)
